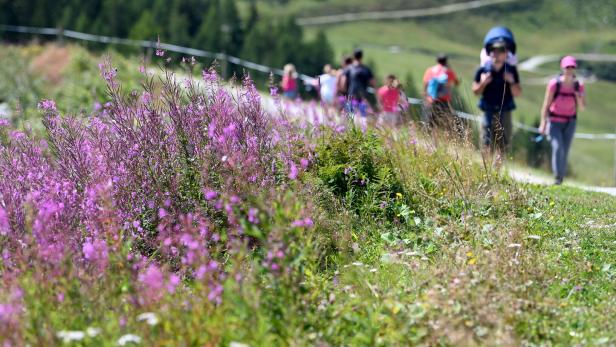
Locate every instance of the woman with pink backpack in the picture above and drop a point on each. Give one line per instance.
(563, 97)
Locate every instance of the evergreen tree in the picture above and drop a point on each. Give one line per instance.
(178, 28)
(233, 35)
(253, 17)
(289, 47)
(160, 12)
(82, 23)
(194, 11)
(209, 35)
(145, 28)
(318, 53)
(68, 20)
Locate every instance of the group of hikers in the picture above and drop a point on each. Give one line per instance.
(496, 82)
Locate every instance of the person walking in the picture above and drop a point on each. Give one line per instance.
(438, 81)
(389, 99)
(327, 86)
(564, 96)
(498, 83)
(358, 78)
(289, 82)
(342, 92)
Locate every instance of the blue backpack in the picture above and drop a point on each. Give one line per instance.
(437, 86)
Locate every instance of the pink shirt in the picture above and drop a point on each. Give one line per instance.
(288, 83)
(389, 98)
(564, 105)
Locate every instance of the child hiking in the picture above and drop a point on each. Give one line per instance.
(389, 99)
(289, 82)
(498, 83)
(563, 96)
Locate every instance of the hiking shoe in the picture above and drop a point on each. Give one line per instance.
(558, 181)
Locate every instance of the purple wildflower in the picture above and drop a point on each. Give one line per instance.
(252, 215)
(210, 195)
(5, 227)
(47, 105)
(174, 281)
(293, 172)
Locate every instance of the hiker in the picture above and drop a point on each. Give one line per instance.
(389, 99)
(327, 86)
(438, 81)
(563, 96)
(358, 78)
(498, 83)
(289, 82)
(341, 83)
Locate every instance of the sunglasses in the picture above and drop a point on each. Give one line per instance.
(571, 67)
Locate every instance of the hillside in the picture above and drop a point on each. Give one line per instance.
(541, 27)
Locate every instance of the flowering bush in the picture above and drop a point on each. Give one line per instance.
(176, 181)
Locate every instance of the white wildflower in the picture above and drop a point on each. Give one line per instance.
(128, 338)
(148, 317)
(238, 344)
(534, 237)
(92, 332)
(68, 336)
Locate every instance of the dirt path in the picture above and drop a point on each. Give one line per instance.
(533, 63)
(400, 14)
(526, 176)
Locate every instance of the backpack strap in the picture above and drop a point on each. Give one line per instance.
(557, 93)
(557, 89)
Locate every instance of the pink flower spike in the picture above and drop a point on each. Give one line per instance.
(210, 195)
(174, 281)
(304, 163)
(293, 171)
(47, 105)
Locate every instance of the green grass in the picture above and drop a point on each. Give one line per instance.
(431, 248)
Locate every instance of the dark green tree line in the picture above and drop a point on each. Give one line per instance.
(212, 25)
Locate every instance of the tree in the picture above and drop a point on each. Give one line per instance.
(232, 27)
(145, 28)
(209, 35)
(318, 53)
(289, 46)
(253, 17)
(177, 31)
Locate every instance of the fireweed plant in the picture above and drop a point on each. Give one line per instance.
(175, 188)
